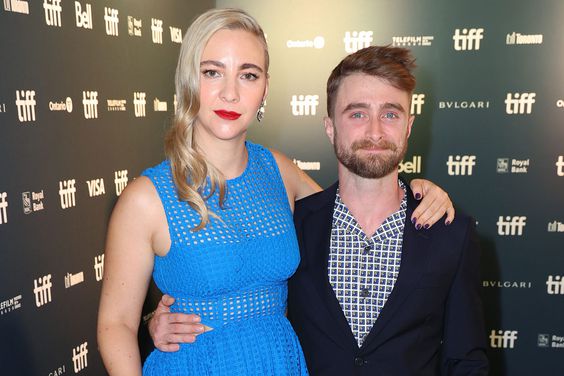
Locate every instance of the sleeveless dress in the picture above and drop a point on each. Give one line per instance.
(233, 273)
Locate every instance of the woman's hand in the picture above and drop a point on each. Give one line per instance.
(434, 204)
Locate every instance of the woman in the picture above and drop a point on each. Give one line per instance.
(212, 223)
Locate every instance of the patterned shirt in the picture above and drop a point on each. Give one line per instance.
(362, 270)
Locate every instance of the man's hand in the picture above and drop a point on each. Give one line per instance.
(434, 205)
(168, 330)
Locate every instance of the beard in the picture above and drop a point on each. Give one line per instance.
(372, 166)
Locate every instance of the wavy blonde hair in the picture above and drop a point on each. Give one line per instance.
(189, 166)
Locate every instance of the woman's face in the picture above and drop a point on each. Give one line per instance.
(233, 82)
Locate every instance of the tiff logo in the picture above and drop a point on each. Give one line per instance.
(560, 166)
(357, 40)
(555, 285)
(18, 6)
(112, 21)
(120, 180)
(139, 103)
(80, 357)
(73, 279)
(519, 103)
(3, 208)
(468, 39)
(96, 187)
(175, 34)
(511, 225)
(417, 102)
(83, 18)
(503, 339)
(157, 30)
(461, 165)
(42, 290)
(53, 12)
(90, 104)
(25, 102)
(67, 192)
(304, 104)
(99, 267)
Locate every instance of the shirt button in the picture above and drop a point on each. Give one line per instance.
(367, 250)
(365, 292)
(358, 361)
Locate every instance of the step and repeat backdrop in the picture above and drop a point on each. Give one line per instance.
(86, 93)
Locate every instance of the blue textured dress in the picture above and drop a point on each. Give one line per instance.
(233, 273)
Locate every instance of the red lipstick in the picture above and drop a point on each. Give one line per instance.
(227, 115)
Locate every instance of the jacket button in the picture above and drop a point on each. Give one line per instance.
(358, 361)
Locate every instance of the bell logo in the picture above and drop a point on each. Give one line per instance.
(157, 30)
(519, 103)
(67, 192)
(468, 39)
(83, 18)
(18, 6)
(25, 102)
(99, 267)
(461, 165)
(80, 357)
(411, 167)
(90, 103)
(42, 290)
(139, 103)
(304, 105)
(120, 180)
(417, 102)
(111, 16)
(175, 34)
(3, 208)
(357, 40)
(503, 339)
(53, 12)
(555, 285)
(560, 166)
(511, 226)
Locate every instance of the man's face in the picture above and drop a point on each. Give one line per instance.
(370, 125)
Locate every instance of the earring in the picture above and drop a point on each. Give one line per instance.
(260, 112)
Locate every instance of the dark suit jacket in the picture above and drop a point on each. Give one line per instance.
(432, 323)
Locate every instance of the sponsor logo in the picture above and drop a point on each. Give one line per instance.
(317, 42)
(73, 279)
(139, 103)
(120, 181)
(517, 38)
(67, 191)
(551, 341)
(53, 12)
(18, 6)
(307, 166)
(411, 167)
(25, 102)
(3, 207)
(175, 34)
(461, 165)
(511, 226)
(83, 18)
(10, 305)
(559, 103)
(42, 290)
(555, 285)
(417, 102)
(96, 187)
(80, 357)
(157, 30)
(519, 103)
(116, 105)
(463, 105)
(304, 105)
(2, 108)
(554, 226)
(90, 104)
(65, 105)
(134, 26)
(160, 105)
(356, 40)
(560, 166)
(503, 339)
(32, 201)
(514, 166)
(111, 17)
(99, 267)
(507, 284)
(58, 371)
(467, 39)
(413, 40)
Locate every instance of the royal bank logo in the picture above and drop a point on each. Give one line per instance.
(304, 105)
(65, 105)
(511, 225)
(111, 17)
(17, 6)
(464, 105)
(560, 166)
(25, 103)
(175, 35)
(514, 166)
(517, 38)
(120, 181)
(3, 208)
(99, 267)
(461, 164)
(42, 290)
(53, 12)
(83, 16)
(307, 166)
(116, 105)
(550, 341)
(468, 39)
(356, 40)
(134, 26)
(318, 42)
(507, 284)
(157, 31)
(33, 201)
(411, 167)
(96, 187)
(555, 226)
(139, 102)
(503, 339)
(73, 279)
(67, 193)
(10, 305)
(80, 357)
(555, 285)
(519, 103)
(417, 102)
(90, 104)
(413, 40)
(160, 106)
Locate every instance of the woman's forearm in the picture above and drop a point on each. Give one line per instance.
(119, 349)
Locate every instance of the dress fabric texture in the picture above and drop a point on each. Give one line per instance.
(233, 273)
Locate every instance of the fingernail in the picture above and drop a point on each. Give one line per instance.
(447, 223)
(418, 226)
(200, 328)
(426, 226)
(418, 196)
(413, 220)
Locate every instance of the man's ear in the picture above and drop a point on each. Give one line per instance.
(329, 129)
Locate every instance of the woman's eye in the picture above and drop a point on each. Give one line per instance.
(210, 73)
(250, 76)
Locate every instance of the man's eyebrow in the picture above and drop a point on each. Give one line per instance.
(355, 105)
(397, 106)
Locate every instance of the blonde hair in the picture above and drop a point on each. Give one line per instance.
(189, 167)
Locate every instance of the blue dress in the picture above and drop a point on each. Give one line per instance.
(233, 273)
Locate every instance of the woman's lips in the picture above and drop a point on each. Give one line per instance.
(227, 115)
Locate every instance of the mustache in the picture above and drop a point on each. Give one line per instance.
(369, 144)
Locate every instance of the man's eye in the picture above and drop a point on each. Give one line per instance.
(391, 115)
(357, 115)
